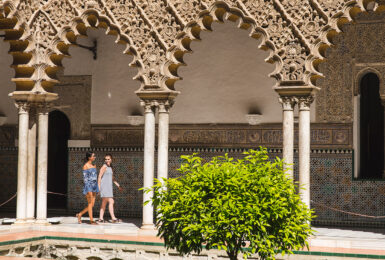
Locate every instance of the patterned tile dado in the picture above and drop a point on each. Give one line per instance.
(128, 171)
(8, 174)
(331, 181)
(7, 135)
(328, 136)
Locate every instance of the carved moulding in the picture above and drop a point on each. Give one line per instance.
(223, 136)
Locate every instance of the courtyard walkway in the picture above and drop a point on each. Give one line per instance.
(328, 243)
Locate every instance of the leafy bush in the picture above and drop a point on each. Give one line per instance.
(248, 205)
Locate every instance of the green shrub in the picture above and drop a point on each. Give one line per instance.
(248, 205)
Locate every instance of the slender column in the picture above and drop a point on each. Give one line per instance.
(31, 171)
(163, 140)
(22, 166)
(304, 147)
(288, 104)
(41, 209)
(149, 150)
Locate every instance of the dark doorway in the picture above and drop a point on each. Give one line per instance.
(58, 135)
(371, 128)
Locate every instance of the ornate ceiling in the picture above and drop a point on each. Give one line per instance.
(159, 32)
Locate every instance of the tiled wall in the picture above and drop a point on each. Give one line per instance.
(331, 182)
(128, 171)
(8, 175)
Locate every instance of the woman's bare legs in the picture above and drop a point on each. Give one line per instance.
(103, 208)
(90, 196)
(111, 207)
(91, 203)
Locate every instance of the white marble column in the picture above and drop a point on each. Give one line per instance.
(148, 171)
(288, 104)
(163, 130)
(42, 162)
(304, 147)
(22, 166)
(31, 172)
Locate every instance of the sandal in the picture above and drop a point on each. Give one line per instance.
(79, 218)
(116, 220)
(99, 221)
(93, 223)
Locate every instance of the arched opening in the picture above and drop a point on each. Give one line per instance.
(58, 135)
(219, 81)
(371, 128)
(104, 98)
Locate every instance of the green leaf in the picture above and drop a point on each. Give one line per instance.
(224, 201)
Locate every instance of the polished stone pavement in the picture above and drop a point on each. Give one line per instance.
(331, 240)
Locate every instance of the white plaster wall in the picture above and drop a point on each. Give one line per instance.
(226, 78)
(113, 96)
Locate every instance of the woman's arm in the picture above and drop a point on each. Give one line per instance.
(115, 182)
(101, 172)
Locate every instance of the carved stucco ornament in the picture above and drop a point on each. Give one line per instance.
(159, 33)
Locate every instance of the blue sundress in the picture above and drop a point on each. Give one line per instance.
(90, 177)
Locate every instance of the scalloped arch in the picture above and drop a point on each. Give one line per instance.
(16, 32)
(218, 12)
(78, 27)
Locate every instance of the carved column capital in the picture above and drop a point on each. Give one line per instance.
(149, 105)
(23, 107)
(165, 106)
(43, 107)
(305, 102)
(288, 102)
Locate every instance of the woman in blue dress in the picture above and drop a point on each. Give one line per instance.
(90, 188)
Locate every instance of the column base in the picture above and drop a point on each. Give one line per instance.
(30, 220)
(148, 230)
(20, 222)
(43, 222)
(148, 227)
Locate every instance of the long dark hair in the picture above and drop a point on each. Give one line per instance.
(109, 155)
(88, 155)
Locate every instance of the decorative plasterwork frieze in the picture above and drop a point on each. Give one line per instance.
(226, 136)
(159, 33)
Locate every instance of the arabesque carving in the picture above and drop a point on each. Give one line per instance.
(159, 33)
(355, 54)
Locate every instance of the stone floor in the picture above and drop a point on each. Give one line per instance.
(354, 243)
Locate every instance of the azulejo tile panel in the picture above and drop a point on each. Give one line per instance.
(332, 184)
(8, 173)
(331, 181)
(128, 171)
